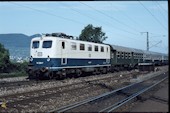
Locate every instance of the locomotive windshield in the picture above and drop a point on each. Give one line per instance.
(47, 44)
(35, 44)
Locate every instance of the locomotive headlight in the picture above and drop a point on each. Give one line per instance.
(48, 58)
(31, 59)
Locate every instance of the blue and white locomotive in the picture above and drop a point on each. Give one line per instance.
(57, 55)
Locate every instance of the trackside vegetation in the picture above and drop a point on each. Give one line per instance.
(9, 68)
(92, 34)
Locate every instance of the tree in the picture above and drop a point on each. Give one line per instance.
(92, 34)
(4, 58)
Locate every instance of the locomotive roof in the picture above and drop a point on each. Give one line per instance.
(49, 36)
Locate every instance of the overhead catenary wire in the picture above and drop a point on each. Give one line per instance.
(77, 11)
(68, 19)
(94, 19)
(131, 19)
(110, 18)
(161, 6)
(45, 12)
(160, 11)
(152, 15)
(154, 33)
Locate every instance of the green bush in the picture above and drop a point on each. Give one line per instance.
(8, 68)
(4, 59)
(14, 74)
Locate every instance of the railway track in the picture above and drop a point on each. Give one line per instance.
(15, 84)
(21, 100)
(4, 83)
(15, 100)
(18, 84)
(110, 101)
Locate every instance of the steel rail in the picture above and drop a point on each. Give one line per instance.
(74, 105)
(7, 102)
(124, 101)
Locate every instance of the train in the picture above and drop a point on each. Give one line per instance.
(58, 55)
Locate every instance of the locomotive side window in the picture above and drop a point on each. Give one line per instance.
(73, 46)
(89, 47)
(63, 45)
(102, 49)
(95, 48)
(47, 44)
(35, 44)
(82, 47)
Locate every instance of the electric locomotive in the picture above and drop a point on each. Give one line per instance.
(56, 55)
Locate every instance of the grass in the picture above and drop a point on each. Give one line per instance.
(13, 74)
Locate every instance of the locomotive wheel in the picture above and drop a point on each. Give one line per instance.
(49, 75)
(104, 71)
(31, 74)
(62, 75)
(78, 72)
(96, 71)
(37, 75)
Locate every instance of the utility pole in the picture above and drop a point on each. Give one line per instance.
(147, 40)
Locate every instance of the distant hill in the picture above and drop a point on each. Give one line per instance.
(15, 40)
(18, 44)
(35, 35)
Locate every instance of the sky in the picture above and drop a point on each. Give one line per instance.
(122, 21)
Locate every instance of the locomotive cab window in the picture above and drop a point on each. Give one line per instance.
(35, 44)
(47, 44)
